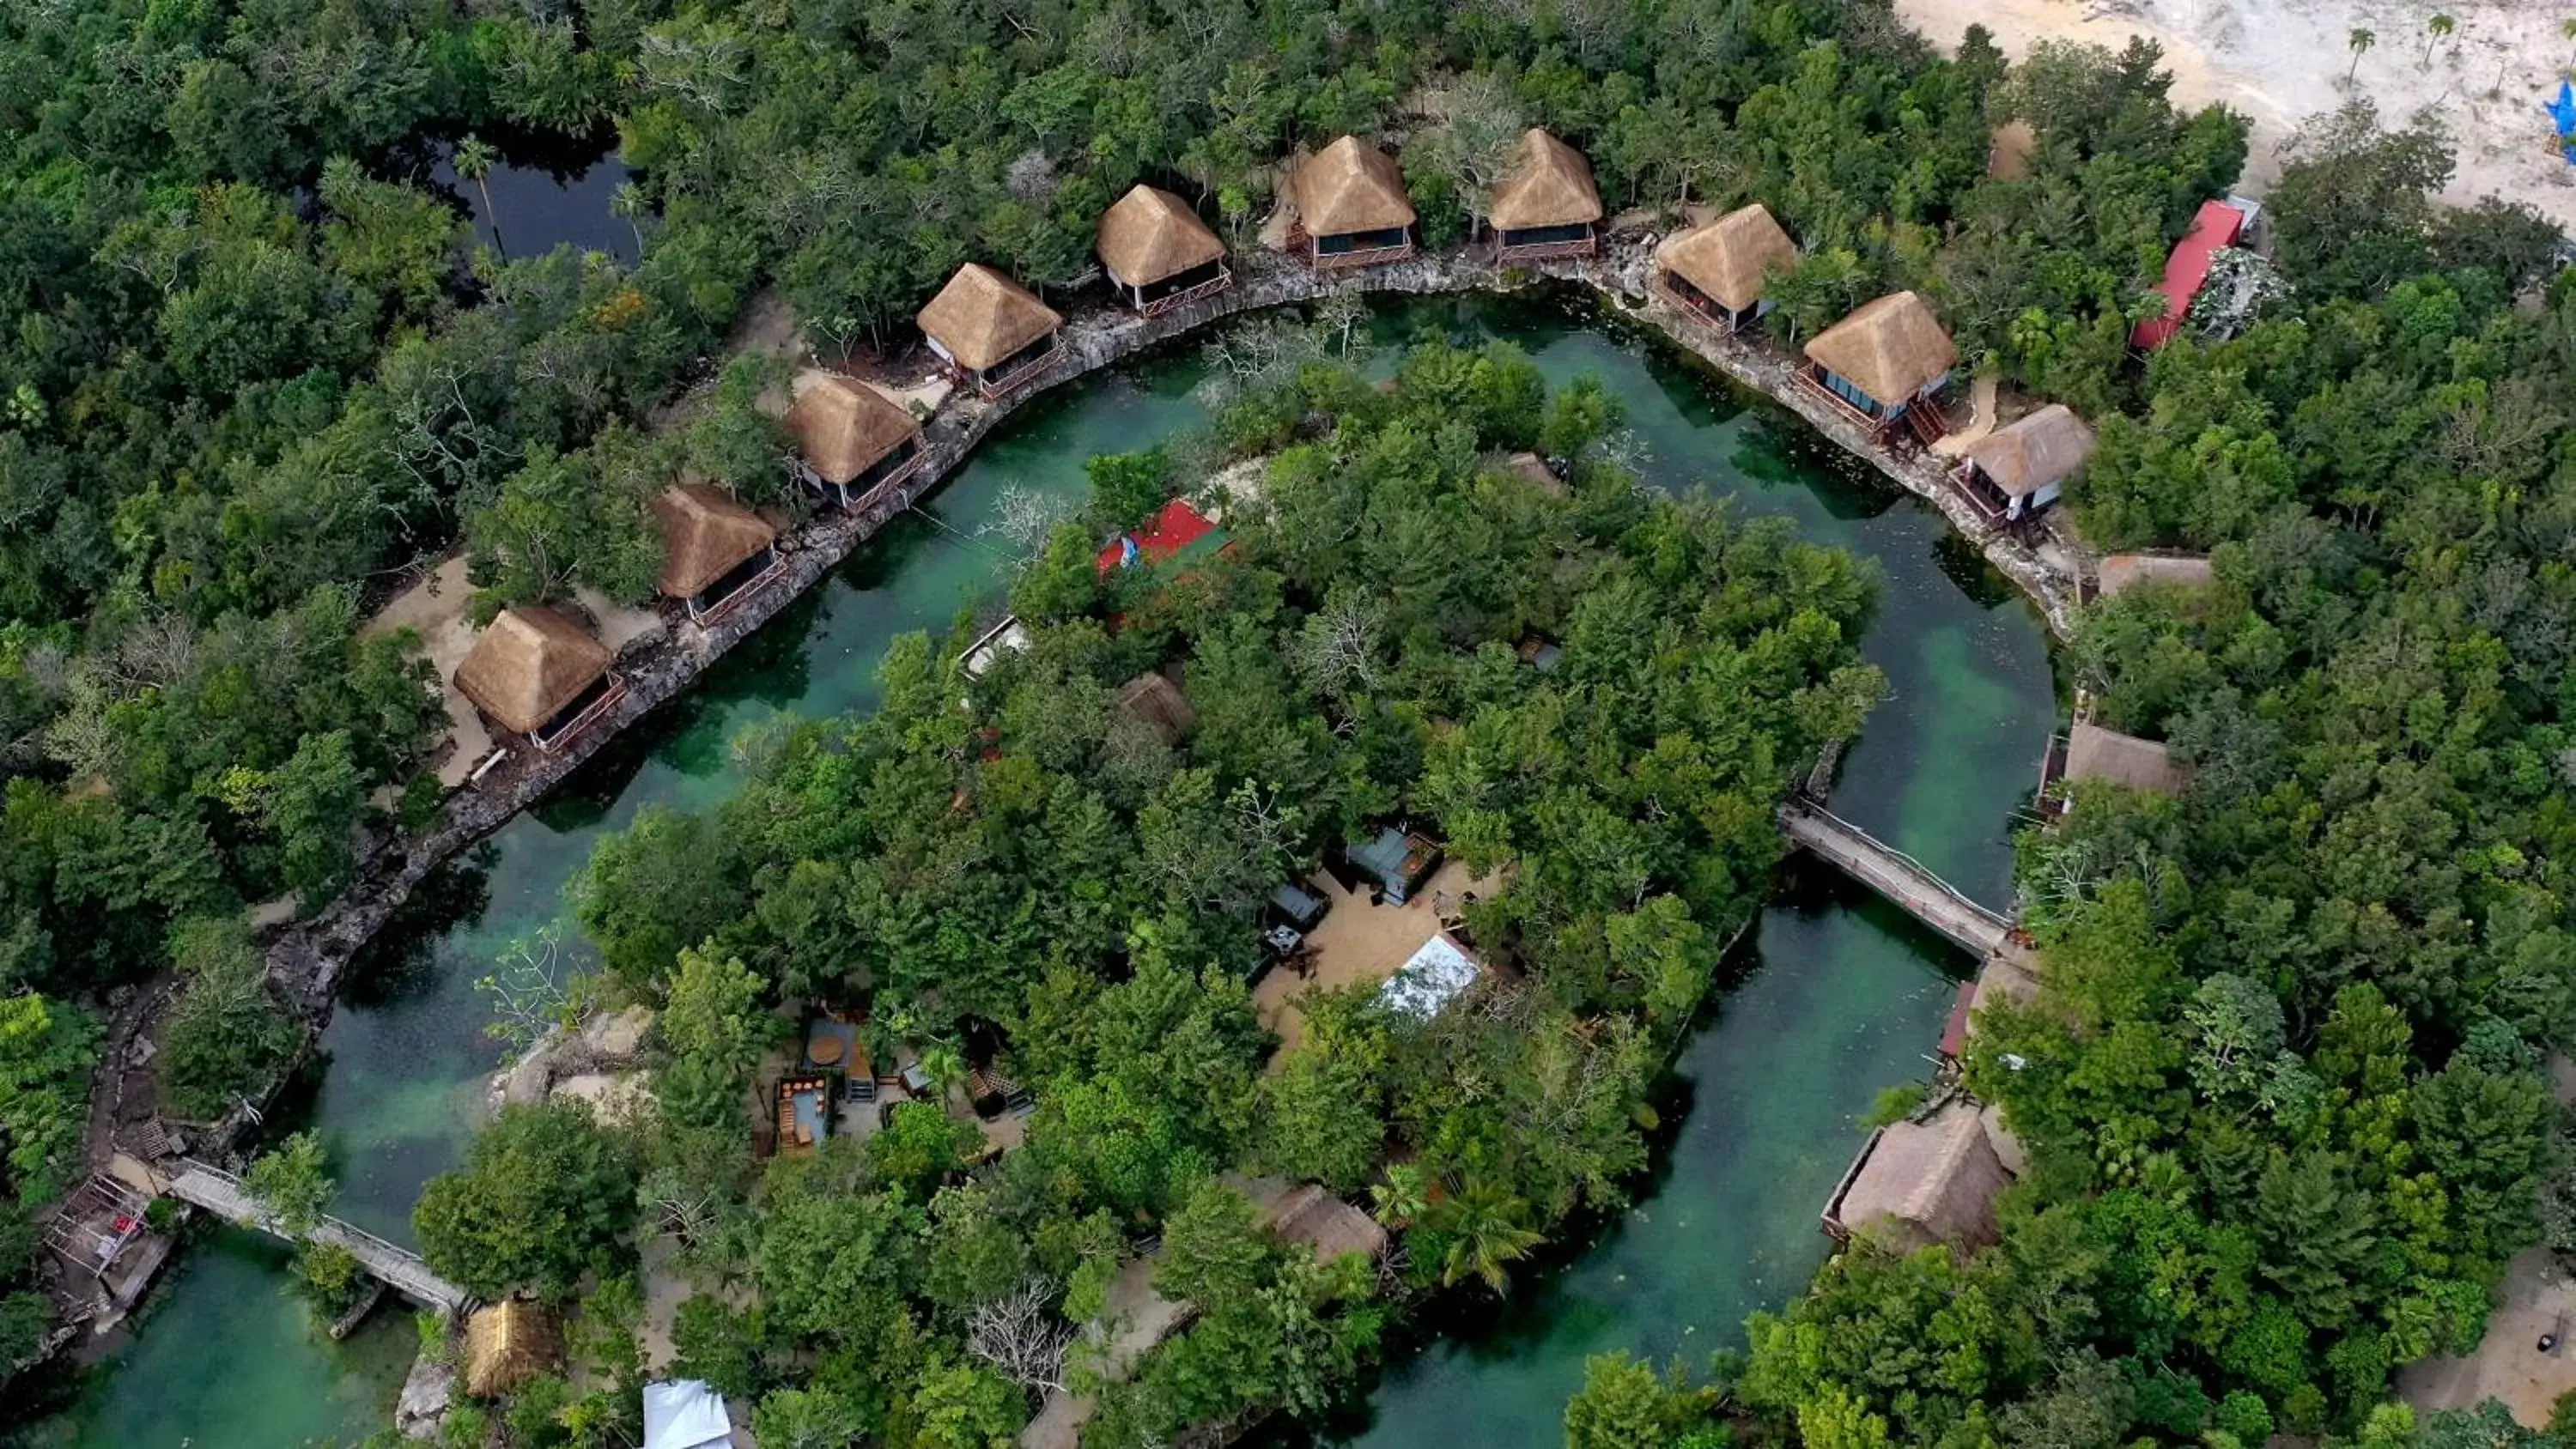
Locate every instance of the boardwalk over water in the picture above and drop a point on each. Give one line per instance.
(221, 1193)
(1899, 877)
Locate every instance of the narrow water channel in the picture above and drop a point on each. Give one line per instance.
(1835, 997)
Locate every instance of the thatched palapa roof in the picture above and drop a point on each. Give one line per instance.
(1550, 185)
(529, 663)
(2094, 753)
(982, 317)
(1351, 186)
(2009, 150)
(1891, 348)
(1927, 1182)
(705, 536)
(1152, 234)
(2027, 455)
(846, 426)
(1156, 702)
(1726, 259)
(506, 1344)
(2122, 572)
(1310, 1215)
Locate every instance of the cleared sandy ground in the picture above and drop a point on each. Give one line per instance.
(2281, 61)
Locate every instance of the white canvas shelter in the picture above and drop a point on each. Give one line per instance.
(1435, 976)
(685, 1415)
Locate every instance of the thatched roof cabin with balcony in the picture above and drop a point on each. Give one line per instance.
(2020, 468)
(1351, 206)
(508, 1343)
(2090, 752)
(1716, 272)
(1329, 1226)
(857, 442)
(1919, 1183)
(992, 330)
(1884, 361)
(1158, 253)
(715, 552)
(1548, 206)
(536, 673)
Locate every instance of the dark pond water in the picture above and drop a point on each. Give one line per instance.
(1835, 997)
(538, 201)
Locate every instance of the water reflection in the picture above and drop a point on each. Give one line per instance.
(536, 201)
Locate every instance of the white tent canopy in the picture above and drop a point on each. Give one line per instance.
(685, 1415)
(1433, 978)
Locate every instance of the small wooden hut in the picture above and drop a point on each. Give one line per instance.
(1154, 701)
(1158, 253)
(1716, 272)
(2009, 149)
(2090, 752)
(2122, 572)
(992, 330)
(1352, 210)
(1548, 206)
(715, 552)
(538, 674)
(1884, 363)
(1919, 1183)
(508, 1343)
(2018, 469)
(1324, 1223)
(858, 444)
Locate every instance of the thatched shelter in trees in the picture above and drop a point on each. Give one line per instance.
(2122, 572)
(508, 1343)
(535, 673)
(1885, 362)
(1919, 1183)
(715, 552)
(1331, 1227)
(1158, 253)
(992, 330)
(858, 444)
(1352, 210)
(1716, 272)
(1154, 701)
(2018, 469)
(2009, 149)
(1548, 206)
(2090, 752)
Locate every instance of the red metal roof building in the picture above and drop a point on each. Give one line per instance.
(1171, 534)
(2218, 224)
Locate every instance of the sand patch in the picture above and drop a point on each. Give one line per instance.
(1356, 943)
(435, 609)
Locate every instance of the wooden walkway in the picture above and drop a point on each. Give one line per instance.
(221, 1193)
(1899, 877)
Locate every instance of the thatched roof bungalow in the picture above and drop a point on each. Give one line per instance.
(1331, 1227)
(1919, 1183)
(992, 330)
(859, 444)
(534, 672)
(1716, 272)
(1154, 701)
(1883, 359)
(2018, 469)
(506, 1344)
(2090, 752)
(715, 552)
(1548, 206)
(1352, 207)
(1158, 253)
(2122, 572)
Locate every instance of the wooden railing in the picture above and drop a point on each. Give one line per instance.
(1545, 251)
(1184, 297)
(993, 388)
(1362, 257)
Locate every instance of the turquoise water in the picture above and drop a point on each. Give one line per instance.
(1838, 996)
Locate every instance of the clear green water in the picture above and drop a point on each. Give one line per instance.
(1838, 996)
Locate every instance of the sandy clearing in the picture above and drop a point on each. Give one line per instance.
(2281, 61)
(435, 608)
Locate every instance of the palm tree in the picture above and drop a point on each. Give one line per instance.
(2434, 30)
(473, 161)
(628, 201)
(1483, 1225)
(2361, 39)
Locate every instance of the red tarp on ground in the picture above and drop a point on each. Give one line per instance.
(2217, 225)
(1173, 530)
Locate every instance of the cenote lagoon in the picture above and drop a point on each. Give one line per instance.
(1832, 998)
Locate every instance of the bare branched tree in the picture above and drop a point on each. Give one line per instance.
(1022, 1338)
(1024, 519)
(529, 989)
(1337, 648)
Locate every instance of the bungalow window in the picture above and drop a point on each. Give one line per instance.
(883, 468)
(739, 580)
(1539, 236)
(1010, 366)
(1359, 241)
(568, 720)
(1848, 391)
(1179, 282)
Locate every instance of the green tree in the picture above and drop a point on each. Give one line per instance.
(545, 1193)
(293, 1184)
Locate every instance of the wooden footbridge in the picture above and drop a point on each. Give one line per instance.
(1899, 877)
(221, 1193)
